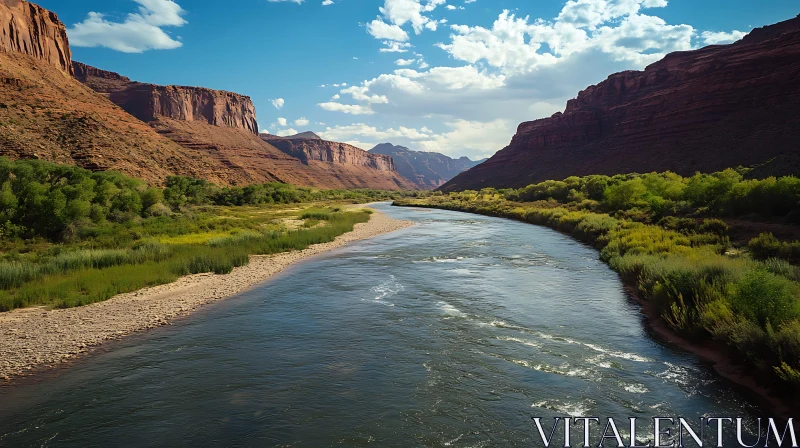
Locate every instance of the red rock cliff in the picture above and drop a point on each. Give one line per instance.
(32, 30)
(149, 102)
(704, 110)
(332, 152)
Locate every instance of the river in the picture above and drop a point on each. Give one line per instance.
(453, 332)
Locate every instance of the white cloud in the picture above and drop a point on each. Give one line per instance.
(280, 122)
(475, 139)
(301, 122)
(361, 131)
(139, 32)
(382, 30)
(286, 132)
(404, 62)
(327, 2)
(278, 103)
(721, 37)
(400, 12)
(353, 109)
(395, 47)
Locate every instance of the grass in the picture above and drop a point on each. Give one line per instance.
(67, 276)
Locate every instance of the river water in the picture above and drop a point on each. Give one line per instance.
(454, 332)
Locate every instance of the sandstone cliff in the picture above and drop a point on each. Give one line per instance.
(428, 170)
(704, 110)
(33, 31)
(331, 152)
(342, 160)
(149, 102)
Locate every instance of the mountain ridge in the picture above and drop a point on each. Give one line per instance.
(428, 170)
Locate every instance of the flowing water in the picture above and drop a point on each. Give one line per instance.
(454, 332)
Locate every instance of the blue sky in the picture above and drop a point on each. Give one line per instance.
(453, 76)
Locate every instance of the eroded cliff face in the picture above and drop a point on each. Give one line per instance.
(350, 165)
(704, 110)
(34, 31)
(149, 102)
(331, 152)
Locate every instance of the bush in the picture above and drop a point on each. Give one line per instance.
(767, 246)
(766, 298)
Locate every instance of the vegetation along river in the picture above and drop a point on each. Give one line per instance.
(454, 332)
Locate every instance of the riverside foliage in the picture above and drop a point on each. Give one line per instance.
(70, 237)
(663, 234)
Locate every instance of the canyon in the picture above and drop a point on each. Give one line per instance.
(704, 110)
(56, 109)
(223, 125)
(428, 170)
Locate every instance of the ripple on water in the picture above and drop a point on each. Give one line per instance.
(385, 290)
(564, 407)
(450, 310)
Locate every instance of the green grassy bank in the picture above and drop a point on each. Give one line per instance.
(71, 237)
(667, 237)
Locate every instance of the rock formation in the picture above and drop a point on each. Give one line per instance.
(705, 110)
(149, 102)
(309, 149)
(34, 31)
(428, 170)
(340, 159)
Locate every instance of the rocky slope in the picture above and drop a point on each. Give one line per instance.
(702, 110)
(342, 161)
(222, 127)
(428, 170)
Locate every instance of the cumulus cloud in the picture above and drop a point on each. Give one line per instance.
(139, 32)
(353, 109)
(395, 14)
(382, 30)
(721, 37)
(301, 122)
(471, 138)
(278, 103)
(286, 132)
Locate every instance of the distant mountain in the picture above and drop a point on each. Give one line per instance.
(304, 135)
(428, 170)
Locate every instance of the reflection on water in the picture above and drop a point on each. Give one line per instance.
(454, 332)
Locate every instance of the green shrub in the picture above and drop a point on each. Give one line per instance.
(766, 298)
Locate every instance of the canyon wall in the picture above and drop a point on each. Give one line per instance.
(149, 102)
(705, 110)
(310, 149)
(34, 31)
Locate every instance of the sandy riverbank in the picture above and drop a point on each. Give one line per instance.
(35, 338)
